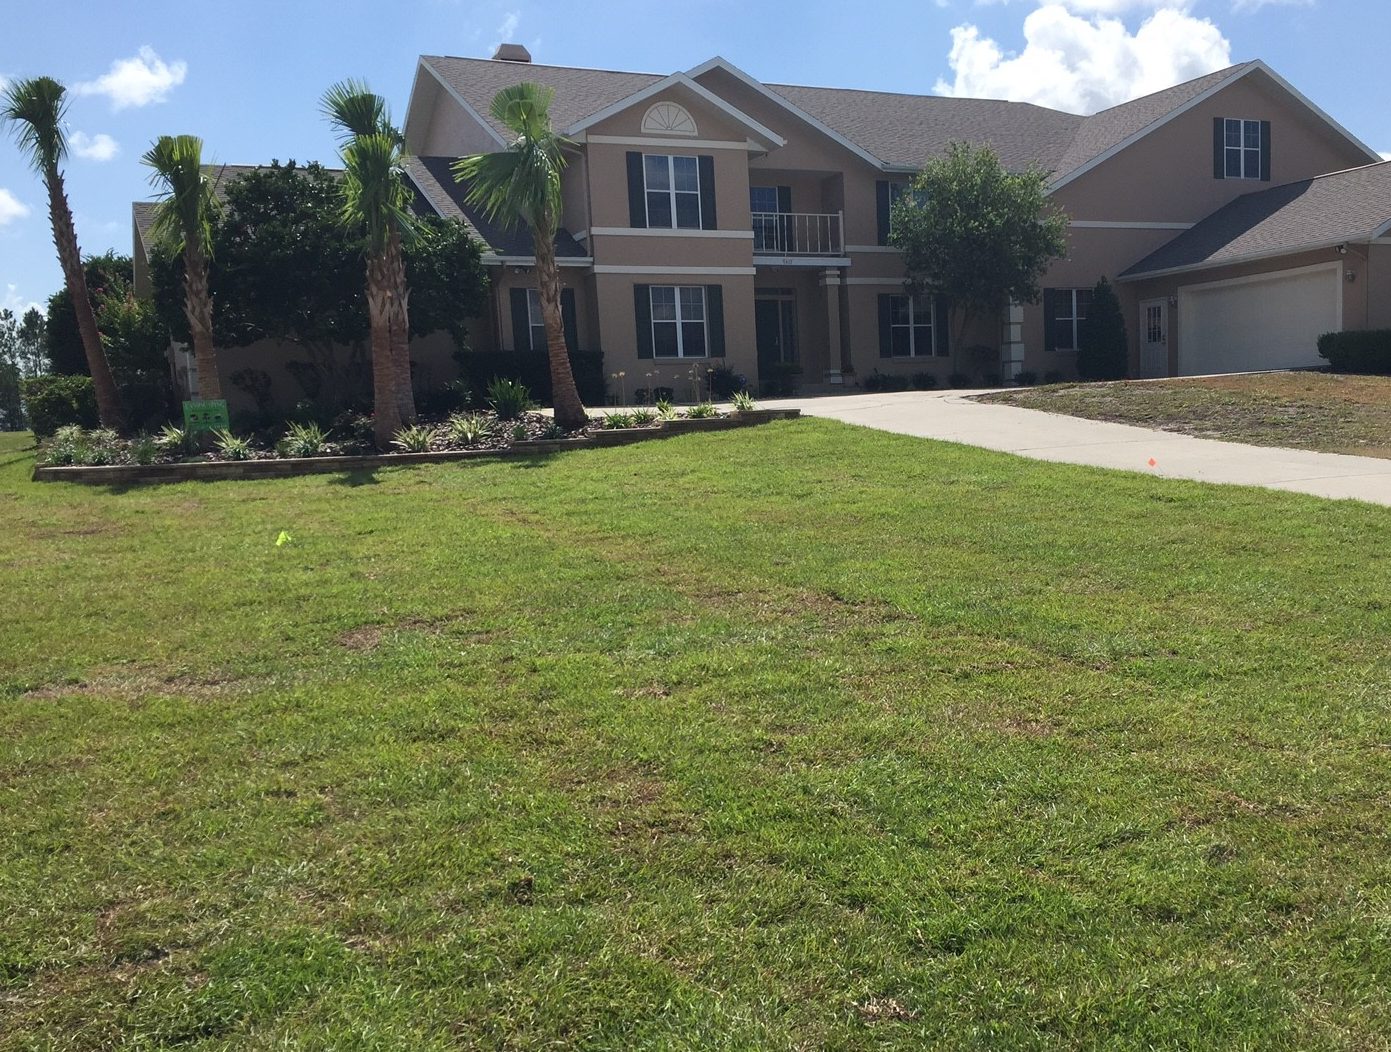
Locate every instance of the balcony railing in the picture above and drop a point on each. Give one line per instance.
(798, 234)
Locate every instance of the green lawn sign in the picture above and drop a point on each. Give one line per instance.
(205, 416)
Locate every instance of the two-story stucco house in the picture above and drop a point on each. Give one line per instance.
(712, 217)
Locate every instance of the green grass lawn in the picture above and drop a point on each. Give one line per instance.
(1326, 412)
(802, 736)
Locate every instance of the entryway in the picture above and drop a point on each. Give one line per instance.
(775, 328)
(1154, 339)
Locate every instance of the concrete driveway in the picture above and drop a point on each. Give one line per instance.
(953, 416)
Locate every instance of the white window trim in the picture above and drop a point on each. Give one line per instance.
(912, 327)
(1076, 321)
(671, 192)
(1243, 149)
(534, 318)
(680, 322)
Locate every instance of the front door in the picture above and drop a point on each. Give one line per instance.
(1154, 338)
(775, 330)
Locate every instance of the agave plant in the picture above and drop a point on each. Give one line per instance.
(468, 429)
(414, 439)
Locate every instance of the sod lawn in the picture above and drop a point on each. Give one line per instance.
(1325, 412)
(804, 736)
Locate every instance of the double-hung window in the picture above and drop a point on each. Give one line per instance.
(912, 328)
(679, 321)
(536, 324)
(672, 188)
(1066, 309)
(1242, 148)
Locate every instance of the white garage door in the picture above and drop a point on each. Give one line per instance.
(1270, 322)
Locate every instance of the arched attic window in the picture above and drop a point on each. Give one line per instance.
(668, 118)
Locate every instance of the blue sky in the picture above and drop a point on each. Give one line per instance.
(247, 76)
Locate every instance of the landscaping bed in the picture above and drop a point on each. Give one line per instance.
(1325, 412)
(109, 459)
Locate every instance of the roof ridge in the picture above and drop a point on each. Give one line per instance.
(1171, 87)
(548, 65)
(928, 95)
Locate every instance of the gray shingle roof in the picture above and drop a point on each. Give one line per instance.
(1343, 206)
(579, 93)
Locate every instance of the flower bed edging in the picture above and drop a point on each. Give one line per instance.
(286, 467)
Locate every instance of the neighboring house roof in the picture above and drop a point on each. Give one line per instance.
(1351, 206)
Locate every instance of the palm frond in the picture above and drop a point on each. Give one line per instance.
(524, 181)
(355, 110)
(187, 205)
(35, 108)
(375, 197)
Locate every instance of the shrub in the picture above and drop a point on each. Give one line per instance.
(1026, 378)
(743, 402)
(644, 417)
(414, 439)
(551, 430)
(724, 381)
(665, 409)
(172, 440)
(959, 380)
(924, 381)
(616, 421)
(441, 401)
(1053, 376)
(55, 401)
(703, 411)
(468, 429)
(519, 432)
(990, 379)
(65, 446)
(508, 398)
(532, 369)
(232, 447)
(144, 450)
(302, 440)
(1368, 351)
(877, 381)
(1103, 351)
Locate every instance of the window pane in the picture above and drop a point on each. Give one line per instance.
(1233, 164)
(687, 173)
(763, 198)
(533, 306)
(658, 176)
(688, 211)
(664, 339)
(1253, 164)
(898, 310)
(1251, 135)
(663, 303)
(1084, 300)
(902, 337)
(658, 208)
(922, 339)
(692, 303)
(693, 339)
(538, 336)
(1062, 334)
(1233, 131)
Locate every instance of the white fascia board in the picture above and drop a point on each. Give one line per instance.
(767, 135)
(734, 71)
(1317, 110)
(492, 259)
(473, 113)
(1246, 257)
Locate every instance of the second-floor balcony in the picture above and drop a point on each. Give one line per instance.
(798, 234)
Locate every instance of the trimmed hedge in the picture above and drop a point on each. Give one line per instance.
(1365, 351)
(533, 369)
(55, 401)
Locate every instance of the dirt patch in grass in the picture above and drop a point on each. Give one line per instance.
(138, 684)
(1325, 412)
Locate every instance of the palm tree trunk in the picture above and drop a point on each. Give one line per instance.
(386, 412)
(109, 409)
(569, 410)
(401, 330)
(198, 308)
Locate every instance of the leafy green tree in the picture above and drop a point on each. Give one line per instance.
(1103, 350)
(21, 356)
(107, 273)
(523, 183)
(976, 234)
(36, 109)
(183, 223)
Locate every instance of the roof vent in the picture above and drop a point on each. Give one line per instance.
(511, 53)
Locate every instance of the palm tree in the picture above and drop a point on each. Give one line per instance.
(35, 109)
(523, 182)
(356, 111)
(183, 222)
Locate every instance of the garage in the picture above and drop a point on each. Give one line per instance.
(1267, 321)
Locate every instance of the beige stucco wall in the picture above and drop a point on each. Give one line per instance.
(446, 130)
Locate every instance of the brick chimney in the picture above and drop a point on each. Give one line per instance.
(511, 53)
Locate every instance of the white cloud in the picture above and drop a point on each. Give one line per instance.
(1386, 155)
(1256, 5)
(98, 147)
(13, 301)
(1084, 64)
(506, 30)
(11, 207)
(137, 81)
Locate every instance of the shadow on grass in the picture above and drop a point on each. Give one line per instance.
(356, 477)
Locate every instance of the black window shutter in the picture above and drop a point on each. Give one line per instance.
(1219, 148)
(1050, 312)
(886, 336)
(567, 317)
(784, 199)
(521, 321)
(1265, 151)
(642, 308)
(714, 319)
(881, 189)
(941, 325)
(637, 192)
(705, 165)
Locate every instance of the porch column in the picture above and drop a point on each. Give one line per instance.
(830, 284)
(1012, 343)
